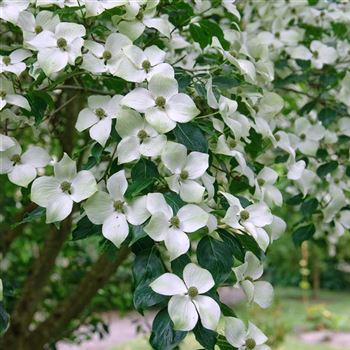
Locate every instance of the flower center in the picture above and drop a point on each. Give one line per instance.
(107, 55)
(142, 135)
(261, 182)
(303, 136)
(66, 186)
(139, 16)
(192, 292)
(249, 279)
(250, 343)
(175, 221)
(184, 175)
(6, 60)
(244, 214)
(277, 35)
(338, 216)
(277, 137)
(2, 93)
(232, 143)
(100, 112)
(62, 43)
(146, 65)
(160, 101)
(16, 158)
(118, 206)
(315, 54)
(38, 29)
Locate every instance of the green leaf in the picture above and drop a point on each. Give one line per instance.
(309, 207)
(199, 36)
(249, 243)
(308, 107)
(183, 78)
(295, 200)
(4, 319)
(303, 233)
(180, 13)
(179, 264)
(144, 169)
(223, 344)
(39, 102)
(138, 186)
(216, 257)
(96, 153)
(227, 311)
(239, 184)
(192, 137)
(31, 216)
(327, 116)
(205, 337)
(226, 82)
(327, 168)
(137, 233)
(233, 243)
(174, 200)
(85, 228)
(163, 335)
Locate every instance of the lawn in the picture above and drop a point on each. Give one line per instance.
(283, 320)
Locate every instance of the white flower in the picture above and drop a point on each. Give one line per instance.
(162, 104)
(186, 170)
(98, 116)
(105, 58)
(113, 212)
(6, 142)
(186, 300)
(342, 221)
(31, 26)
(170, 228)
(60, 3)
(322, 54)
(10, 10)
(276, 228)
(21, 168)
(95, 8)
(270, 104)
(260, 292)
(8, 95)
(309, 135)
(252, 218)
(138, 138)
(237, 335)
(57, 193)
(58, 48)
(13, 62)
(138, 65)
(265, 189)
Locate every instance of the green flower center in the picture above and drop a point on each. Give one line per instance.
(66, 186)
(160, 101)
(139, 16)
(184, 175)
(107, 55)
(244, 214)
(232, 143)
(142, 135)
(250, 343)
(100, 112)
(6, 60)
(16, 158)
(249, 279)
(2, 93)
(303, 136)
(62, 43)
(277, 35)
(38, 29)
(261, 182)
(192, 292)
(338, 216)
(277, 137)
(175, 221)
(146, 65)
(315, 54)
(118, 206)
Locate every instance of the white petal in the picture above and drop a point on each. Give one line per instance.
(157, 203)
(192, 218)
(163, 86)
(159, 119)
(157, 227)
(83, 186)
(137, 212)
(18, 100)
(128, 150)
(176, 243)
(196, 164)
(98, 207)
(161, 24)
(115, 42)
(139, 99)
(93, 64)
(86, 119)
(129, 72)
(254, 268)
(235, 331)
(129, 123)
(168, 284)
(116, 229)
(182, 312)
(69, 31)
(44, 190)
(6, 142)
(248, 289)
(52, 60)
(117, 185)
(259, 214)
(153, 146)
(58, 208)
(263, 294)
(154, 55)
(209, 311)
(255, 333)
(65, 169)
(174, 156)
(133, 29)
(181, 108)
(191, 191)
(101, 130)
(36, 157)
(22, 174)
(195, 276)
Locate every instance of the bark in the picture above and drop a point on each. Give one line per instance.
(54, 327)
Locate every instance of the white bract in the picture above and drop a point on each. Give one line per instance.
(244, 339)
(260, 292)
(265, 189)
(138, 138)
(57, 193)
(172, 228)
(10, 9)
(13, 62)
(187, 171)
(187, 300)
(162, 104)
(98, 116)
(58, 48)
(113, 212)
(9, 96)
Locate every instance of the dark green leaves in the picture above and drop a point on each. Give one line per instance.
(85, 228)
(327, 168)
(34, 214)
(39, 102)
(215, 256)
(204, 31)
(4, 319)
(192, 137)
(303, 233)
(204, 336)
(179, 12)
(327, 116)
(309, 207)
(163, 336)
(174, 200)
(95, 157)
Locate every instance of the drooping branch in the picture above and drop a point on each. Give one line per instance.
(53, 328)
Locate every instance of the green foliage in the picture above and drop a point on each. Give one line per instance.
(192, 137)
(303, 233)
(204, 336)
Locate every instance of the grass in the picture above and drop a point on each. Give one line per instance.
(282, 321)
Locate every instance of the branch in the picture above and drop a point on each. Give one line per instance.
(52, 329)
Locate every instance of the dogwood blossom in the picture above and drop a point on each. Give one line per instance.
(187, 300)
(10, 10)
(13, 62)
(8, 96)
